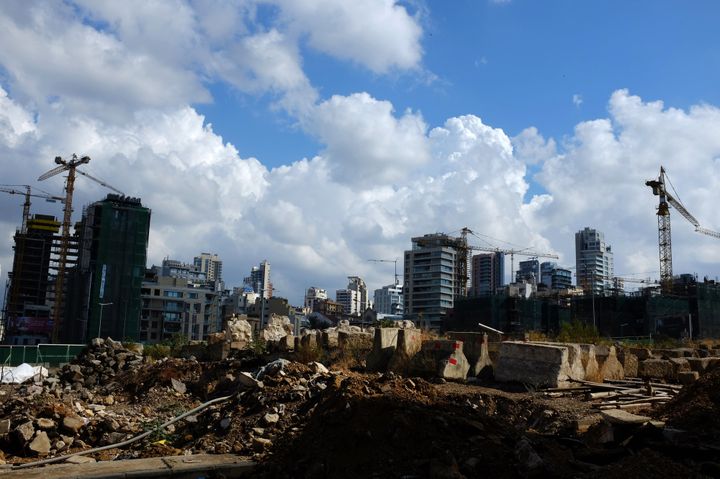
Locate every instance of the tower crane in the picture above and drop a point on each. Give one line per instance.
(511, 252)
(664, 237)
(71, 166)
(26, 205)
(388, 261)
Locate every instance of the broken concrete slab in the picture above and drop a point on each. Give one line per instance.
(687, 377)
(699, 364)
(41, 444)
(355, 341)
(620, 416)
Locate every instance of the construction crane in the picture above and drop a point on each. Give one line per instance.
(664, 237)
(511, 252)
(71, 167)
(26, 205)
(388, 261)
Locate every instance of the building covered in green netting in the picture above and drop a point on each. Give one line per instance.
(693, 310)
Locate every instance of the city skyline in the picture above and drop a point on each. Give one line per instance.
(320, 135)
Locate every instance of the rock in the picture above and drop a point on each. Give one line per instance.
(526, 456)
(260, 444)
(59, 445)
(276, 328)
(271, 419)
(318, 368)
(45, 423)
(136, 348)
(258, 430)
(621, 417)
(41, 444)
(239, 330)
(97, 342)
(73, 423)
(179, 386)
(4, 426)
(272, 368)
(79, 460)
(246, 380)
(25, 431)
(109, 400)
(225, 423)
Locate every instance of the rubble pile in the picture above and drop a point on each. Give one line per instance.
(696, 408)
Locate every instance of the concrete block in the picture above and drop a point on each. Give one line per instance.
(629, 362)
(687, 377)
(641, 353)
(384, 345)
(443, 358)
(610, 367)
(309, 341)
(286, 343)
(408, 344)
(680, 365)
(699, 364)
(330, 339)
(350, 340)
(475, 348)
(576, 368)
(589, 362)
(536, 364)
(655, 369)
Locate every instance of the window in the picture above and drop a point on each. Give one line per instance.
(173, 294)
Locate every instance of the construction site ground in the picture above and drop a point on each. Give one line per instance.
(294, 418)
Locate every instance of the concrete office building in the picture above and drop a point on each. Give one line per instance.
(528, 271)
(355, 283)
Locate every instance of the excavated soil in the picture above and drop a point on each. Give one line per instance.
(300, 420)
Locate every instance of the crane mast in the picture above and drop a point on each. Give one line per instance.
(71, 167)
(664, 233)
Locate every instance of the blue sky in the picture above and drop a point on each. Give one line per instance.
(514, 64)
(342, 129)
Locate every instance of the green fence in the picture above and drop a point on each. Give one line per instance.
(51, 354)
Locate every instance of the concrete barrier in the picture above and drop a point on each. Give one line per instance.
(309, 341)
(384, 345)
(655, 369)
(575, 359)
(329, 339)
(629, 362)
(441, 357)
(536, 364)
(408, 344)
(610, 367)
(589, 362)
(349, 340)
(475, 348)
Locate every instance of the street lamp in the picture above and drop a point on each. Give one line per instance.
(102, 305)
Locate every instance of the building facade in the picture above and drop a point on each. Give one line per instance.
(259, 280)
(389, 300)
(593, 262)
(312, 295)
(210, 264)
(528, 271)
(357, 284)
(103, 297)
(434, 276)
(488, 273)
(350, 301)
(174, 306)
(554, 277)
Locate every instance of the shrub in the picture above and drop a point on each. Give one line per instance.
(578, 332)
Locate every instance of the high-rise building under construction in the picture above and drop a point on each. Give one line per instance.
(103, 296)
(27, 304)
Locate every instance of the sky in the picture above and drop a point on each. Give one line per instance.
(318, 134)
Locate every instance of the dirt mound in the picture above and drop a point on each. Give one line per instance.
(697, 407)
(397, 427)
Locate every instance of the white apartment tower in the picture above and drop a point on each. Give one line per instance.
(210, 264)
(356, 284)
(593, 261)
